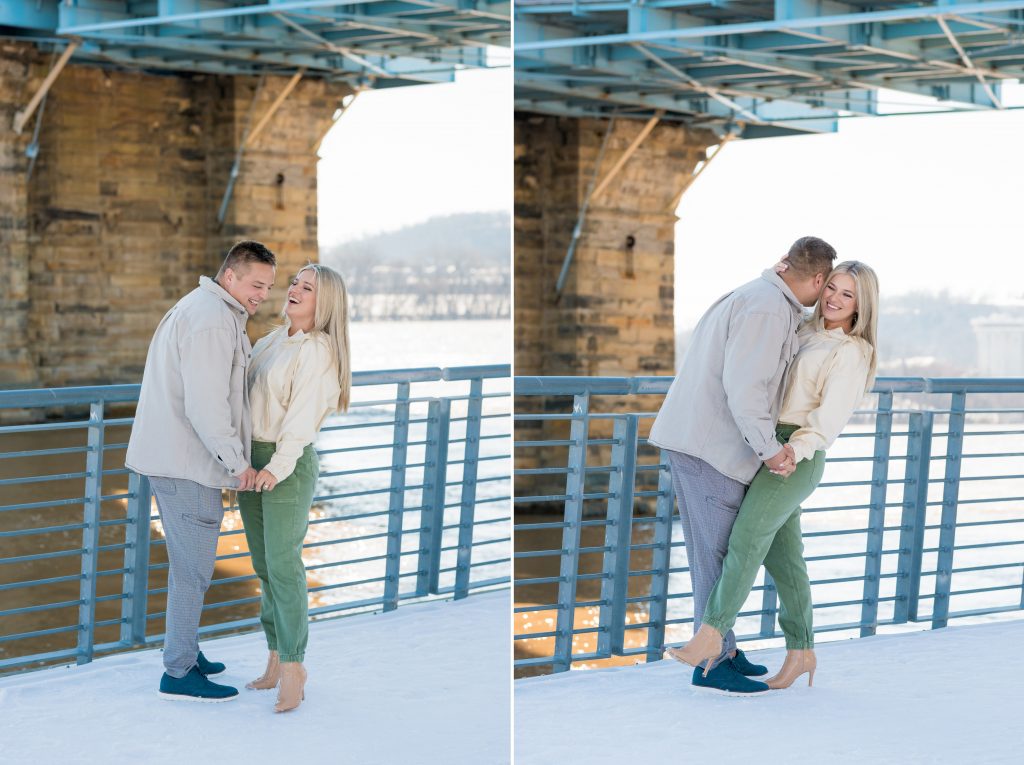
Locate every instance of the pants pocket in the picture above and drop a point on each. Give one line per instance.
(203, 523)
(166, 486)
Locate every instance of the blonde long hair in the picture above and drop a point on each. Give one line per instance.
(865, 318)
(331, 319)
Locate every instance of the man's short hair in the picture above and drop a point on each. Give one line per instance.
(243, 254)
(810, 256)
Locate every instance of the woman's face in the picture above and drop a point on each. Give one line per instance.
(301, 305)
(839, 299)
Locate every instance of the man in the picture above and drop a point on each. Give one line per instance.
(191, 437)
(717, 424)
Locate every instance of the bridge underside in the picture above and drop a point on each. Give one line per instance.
(362, 42)
(760, 68)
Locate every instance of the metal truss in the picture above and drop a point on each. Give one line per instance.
(761, 67)
(367, 43)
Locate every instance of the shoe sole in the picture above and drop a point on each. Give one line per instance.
(201, 699)
(723, 692)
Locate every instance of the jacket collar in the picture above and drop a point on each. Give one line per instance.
(777, 281)
(208, 284)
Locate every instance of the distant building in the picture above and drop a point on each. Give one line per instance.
(1000, 345)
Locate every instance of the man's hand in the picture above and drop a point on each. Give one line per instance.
(783, 463)
(265, 481)
(246, 479)
(781, 267)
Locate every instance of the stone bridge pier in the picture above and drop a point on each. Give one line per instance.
(117, 216)
(614, 316)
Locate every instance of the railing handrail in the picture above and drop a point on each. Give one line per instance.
(123, 393)
(449, 541)
(577, 471)
(568, 385)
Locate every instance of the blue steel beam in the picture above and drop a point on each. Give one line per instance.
(802, 52)
(367, 42)
(954, 7)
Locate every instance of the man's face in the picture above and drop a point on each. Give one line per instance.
(807, 292)
(249, 285)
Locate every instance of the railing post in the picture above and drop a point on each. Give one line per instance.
(769, 606)
(573, 515)
(876, 517)
(91, 534)
(661, 556)
(396, 504)
(950, 497)
(914, 517)
(435, 474)
(135, 582)
(467, 502)
(617, 537)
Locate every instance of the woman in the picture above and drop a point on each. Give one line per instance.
(299, 374)
(833, 371)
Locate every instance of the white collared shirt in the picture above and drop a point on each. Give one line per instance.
(293, 388)
(825, 385)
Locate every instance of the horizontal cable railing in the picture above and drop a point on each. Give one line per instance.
(413, 502)
(919, 519)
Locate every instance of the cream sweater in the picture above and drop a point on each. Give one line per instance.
(824, 387)
(293, 387)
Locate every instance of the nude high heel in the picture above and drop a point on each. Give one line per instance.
(705, 646)
(796, 663)
(293, 683)
(270, 677)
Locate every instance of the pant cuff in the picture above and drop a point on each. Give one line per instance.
(794, 644)
(721, 625)
(287, 657)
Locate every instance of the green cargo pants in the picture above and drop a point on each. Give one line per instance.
(767, 531)
(275, 527)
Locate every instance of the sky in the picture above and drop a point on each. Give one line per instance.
(930, 202)
(399, 156)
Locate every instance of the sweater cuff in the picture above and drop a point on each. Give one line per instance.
(280, 467)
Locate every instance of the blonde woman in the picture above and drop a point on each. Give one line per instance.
(833, 371)
(299, 374)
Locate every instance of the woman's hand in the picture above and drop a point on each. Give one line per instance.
(265, 481)
(781, 267)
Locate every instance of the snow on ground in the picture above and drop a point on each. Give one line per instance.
(425, 683)
(945, 696)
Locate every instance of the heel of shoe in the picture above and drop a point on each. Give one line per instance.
(810, 677)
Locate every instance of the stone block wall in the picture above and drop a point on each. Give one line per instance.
(119, 217)
(615, 316)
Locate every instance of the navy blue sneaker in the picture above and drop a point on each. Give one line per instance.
(727, 680)
(194, 687)
(208, 668)
(743, 665)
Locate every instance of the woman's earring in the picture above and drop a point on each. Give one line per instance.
(855, 315)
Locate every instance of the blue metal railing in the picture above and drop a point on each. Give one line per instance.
(413, 502)
(906, 524)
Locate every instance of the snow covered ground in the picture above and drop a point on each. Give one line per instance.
(423, 684)
(945, 696)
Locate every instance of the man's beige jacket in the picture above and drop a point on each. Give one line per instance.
(193, 419)
(723, 405)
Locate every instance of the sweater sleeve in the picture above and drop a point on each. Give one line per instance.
(305, 409)
(751, 361)
(842, 390)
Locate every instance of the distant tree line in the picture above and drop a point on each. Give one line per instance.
(454, 267)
